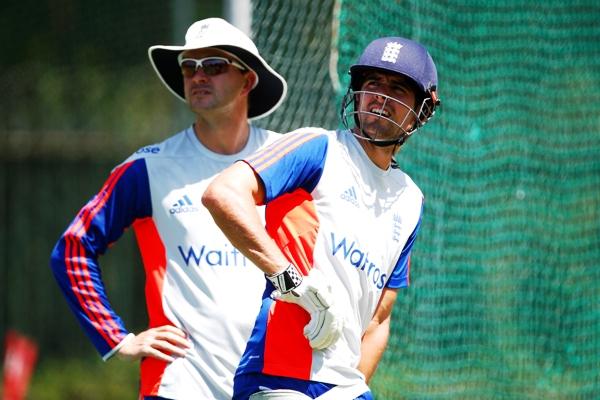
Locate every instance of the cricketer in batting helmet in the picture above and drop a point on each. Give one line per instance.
(395, 55)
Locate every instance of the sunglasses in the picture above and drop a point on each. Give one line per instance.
(211, 66)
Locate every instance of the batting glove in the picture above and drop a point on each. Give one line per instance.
(314, 294)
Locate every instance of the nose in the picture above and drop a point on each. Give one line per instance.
(380, 97)
(383, 90)
(199, 75)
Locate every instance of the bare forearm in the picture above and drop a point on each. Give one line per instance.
(241, 224)
(372, 348)
(232, 205)
(376, 336)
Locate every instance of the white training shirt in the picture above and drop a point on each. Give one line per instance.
(329, 207)
(195, 279)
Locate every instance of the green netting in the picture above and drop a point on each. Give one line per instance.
(504, 302)
(296, 38)
(505, 297)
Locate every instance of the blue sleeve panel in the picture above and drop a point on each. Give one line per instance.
(295, 161)
(401, 275)
(124, 198)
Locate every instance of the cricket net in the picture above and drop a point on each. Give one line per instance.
(505, 294)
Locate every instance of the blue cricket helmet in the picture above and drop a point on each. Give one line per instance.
(404, 57)
(399, 55)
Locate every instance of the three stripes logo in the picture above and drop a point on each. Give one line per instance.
(350, 196)
(183, 205)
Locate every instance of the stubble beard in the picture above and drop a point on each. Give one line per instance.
(378, 128)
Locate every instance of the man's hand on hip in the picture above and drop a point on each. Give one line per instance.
(163, 343)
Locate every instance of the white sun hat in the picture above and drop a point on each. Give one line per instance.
(268, 93)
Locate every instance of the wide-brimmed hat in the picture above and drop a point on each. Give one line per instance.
(266, 96)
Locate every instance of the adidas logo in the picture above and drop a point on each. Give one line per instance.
(183, 205)
(350, 196)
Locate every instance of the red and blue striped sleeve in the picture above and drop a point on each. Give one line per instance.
(294, 161)
(400, 276)
(124, 198)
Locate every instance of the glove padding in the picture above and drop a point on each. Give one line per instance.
(316, 297)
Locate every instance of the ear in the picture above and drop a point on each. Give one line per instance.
(250, 81)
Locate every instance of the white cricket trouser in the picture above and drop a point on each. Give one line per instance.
(335, 393)
(279, 394)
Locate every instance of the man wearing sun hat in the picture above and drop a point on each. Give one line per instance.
(202, 295)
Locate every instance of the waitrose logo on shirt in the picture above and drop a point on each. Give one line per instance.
(228, 256)
(359, 259)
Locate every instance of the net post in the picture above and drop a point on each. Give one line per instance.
(239, 14)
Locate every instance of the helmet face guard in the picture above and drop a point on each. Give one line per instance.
(386, 131)
(394, 55)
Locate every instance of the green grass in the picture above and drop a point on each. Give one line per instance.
(89, 379)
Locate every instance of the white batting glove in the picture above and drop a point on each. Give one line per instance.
(313, 294)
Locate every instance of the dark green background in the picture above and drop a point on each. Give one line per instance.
(505, 294)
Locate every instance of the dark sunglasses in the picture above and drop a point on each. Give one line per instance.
(211, 66)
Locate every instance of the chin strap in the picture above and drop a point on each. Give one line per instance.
(381, 143)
